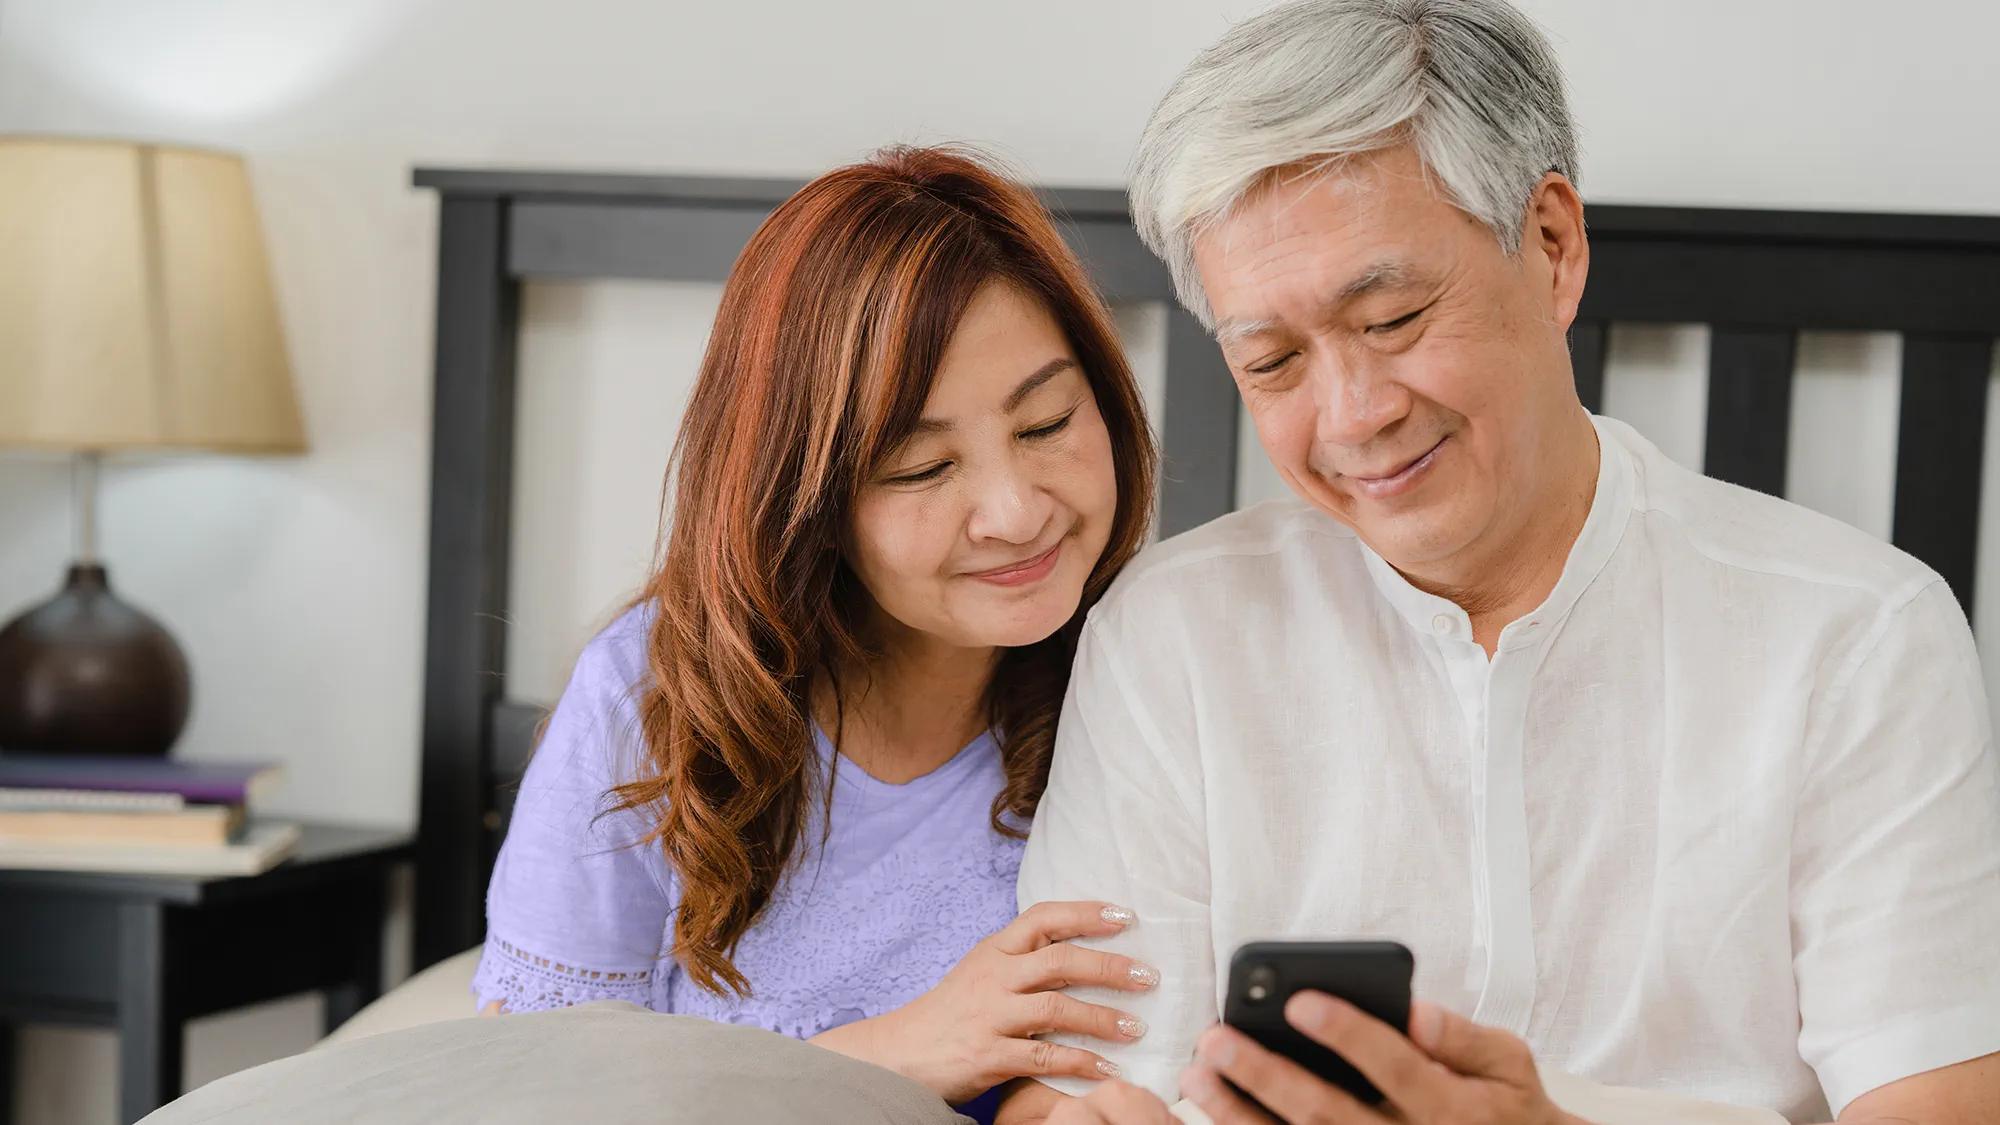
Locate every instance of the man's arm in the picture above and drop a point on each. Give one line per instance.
(1966, 1093)
(1123, 814)
(1895, 882)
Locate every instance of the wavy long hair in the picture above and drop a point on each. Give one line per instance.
(829, 335)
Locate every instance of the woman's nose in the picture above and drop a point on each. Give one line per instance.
(1010, 506)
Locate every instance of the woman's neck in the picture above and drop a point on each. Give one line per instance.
(908, 711)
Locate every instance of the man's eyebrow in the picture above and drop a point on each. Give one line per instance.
(1379, 276)
(1229, 330)
(1015, 397)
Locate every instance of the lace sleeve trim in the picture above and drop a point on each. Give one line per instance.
(529, 982)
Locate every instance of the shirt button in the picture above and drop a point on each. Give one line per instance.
(1441, 624)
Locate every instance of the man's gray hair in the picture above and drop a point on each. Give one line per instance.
(1471, 83)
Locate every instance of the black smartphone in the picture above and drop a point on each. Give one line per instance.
(1374, 976)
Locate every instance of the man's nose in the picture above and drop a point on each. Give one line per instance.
(1353, 401)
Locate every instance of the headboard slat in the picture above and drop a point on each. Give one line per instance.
(1940, 450)
(1588, 339)
(1749, 406)
(1198, 436)
(472, 459)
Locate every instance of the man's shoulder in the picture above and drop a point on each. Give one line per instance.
(1242, 546)
(1743, 530)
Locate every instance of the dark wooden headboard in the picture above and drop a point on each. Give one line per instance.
(1758, 278)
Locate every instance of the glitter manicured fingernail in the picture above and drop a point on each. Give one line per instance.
(1108, 1068)
(1145, 976)
(1131, 1027)
(1117, 916)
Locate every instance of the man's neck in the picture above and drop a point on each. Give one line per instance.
(1498, 583)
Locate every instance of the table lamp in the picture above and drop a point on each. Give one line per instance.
(136, 313)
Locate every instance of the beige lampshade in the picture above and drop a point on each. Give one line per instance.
(135, 302)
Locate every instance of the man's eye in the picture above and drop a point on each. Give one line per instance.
(1050, 430)
(1392, 325)
(922, 476)
(1271, 365)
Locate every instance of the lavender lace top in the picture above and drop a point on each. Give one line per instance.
(910, 878)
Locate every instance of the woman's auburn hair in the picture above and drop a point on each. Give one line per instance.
(829, 335)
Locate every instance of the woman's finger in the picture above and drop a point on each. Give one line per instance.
(1041, 1013)
(1039, 1058)
(1063, 965)
(1047, 922)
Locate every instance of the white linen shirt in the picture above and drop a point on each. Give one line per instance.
(1721, 817)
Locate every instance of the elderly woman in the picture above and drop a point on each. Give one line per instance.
(787, 789)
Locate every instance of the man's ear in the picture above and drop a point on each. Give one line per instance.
(1553, 229)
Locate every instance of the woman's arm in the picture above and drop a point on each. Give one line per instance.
(1109, 1103)
(577, 909)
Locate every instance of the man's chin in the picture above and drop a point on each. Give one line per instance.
(1406, 534)
(1413, 541)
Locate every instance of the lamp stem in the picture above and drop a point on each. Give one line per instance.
(84, 490)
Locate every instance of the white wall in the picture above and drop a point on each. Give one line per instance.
(297, 585)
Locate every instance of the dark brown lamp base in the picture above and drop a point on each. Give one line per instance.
(85, 673)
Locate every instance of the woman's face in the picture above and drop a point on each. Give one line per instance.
(980, 530)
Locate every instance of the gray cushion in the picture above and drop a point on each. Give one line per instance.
(603, 1062)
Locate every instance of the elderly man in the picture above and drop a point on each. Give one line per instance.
(1667, 783)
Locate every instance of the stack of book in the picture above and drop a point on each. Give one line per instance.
(129, 814)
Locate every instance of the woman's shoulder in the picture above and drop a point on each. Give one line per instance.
(615, 660)
(595, 729)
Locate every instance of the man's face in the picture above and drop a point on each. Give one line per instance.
(1403, 372)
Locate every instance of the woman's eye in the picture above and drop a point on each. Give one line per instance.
(922, 476)
(1272, 365)
(1050, 430)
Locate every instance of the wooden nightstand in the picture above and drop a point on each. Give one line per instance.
(146, 953)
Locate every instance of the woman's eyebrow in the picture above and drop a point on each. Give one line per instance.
(1041, 375)
(1015, 397)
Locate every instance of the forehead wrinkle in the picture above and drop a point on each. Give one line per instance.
(1290, 242)
(1383, 275)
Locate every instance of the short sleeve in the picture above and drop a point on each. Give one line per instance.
(1122, 821)
(578, 906)
(1896, 860)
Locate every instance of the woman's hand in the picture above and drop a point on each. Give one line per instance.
(976, 1029)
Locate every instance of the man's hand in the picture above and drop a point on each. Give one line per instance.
(1112, 1103)
(1450, 1071)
